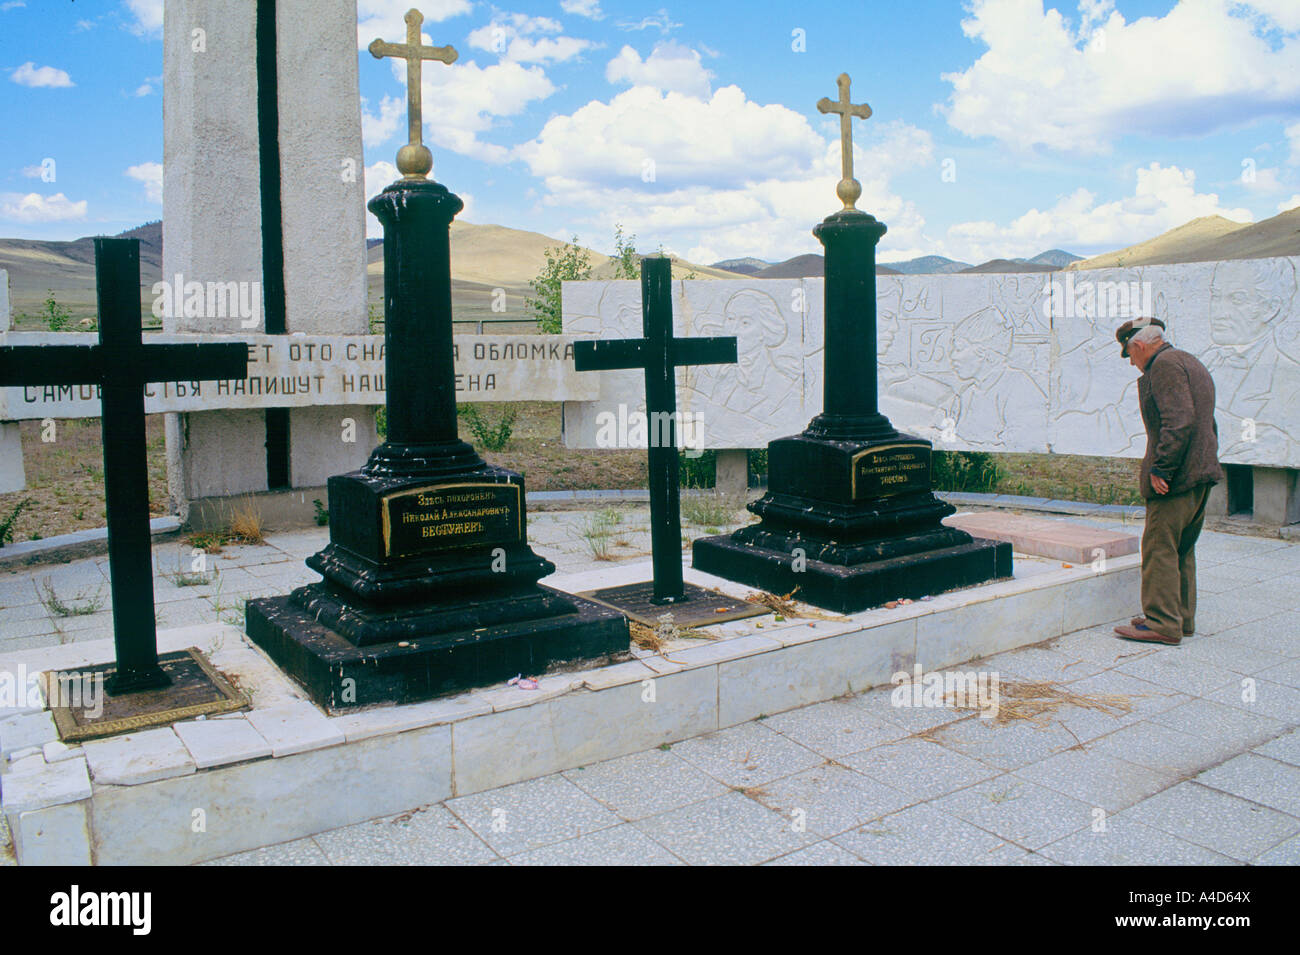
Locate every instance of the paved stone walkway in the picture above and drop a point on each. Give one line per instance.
(1201, 764)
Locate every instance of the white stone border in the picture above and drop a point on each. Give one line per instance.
(192, 793)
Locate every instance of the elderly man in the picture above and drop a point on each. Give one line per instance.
(1176, 396)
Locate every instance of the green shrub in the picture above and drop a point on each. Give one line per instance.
(54, 314)
(975, 471)
(491, 437)
(7, 525)
(698, 472)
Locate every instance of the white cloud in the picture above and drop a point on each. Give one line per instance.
(729, 175)
(11, 5)
(83, 25)
(147, 17)
(659, 21)
(1283, 14)
(379, 129)
(464, 100)
(1165, 197)
(147, 87)
(1201, 67)
(1265, 180)
(1288, 204)
(670, 66)
(1293, 136)
(583, 8)
(33, 172)
(29, 74)
(34, 207)
(378, 175)
(713, 142)
(384, 19)
(525, 39)
(151, 174)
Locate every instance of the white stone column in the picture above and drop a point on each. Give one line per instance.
(213, 223)
(731, 474)
(1276, 499)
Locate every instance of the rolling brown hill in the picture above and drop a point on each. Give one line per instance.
(483, 258)
(1009, 265)
(1207, 239)
(810, 265)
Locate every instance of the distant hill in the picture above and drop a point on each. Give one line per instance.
(1207, 239)
(928, 264)
(482, 257)
(1009, 265)
(1055, 257)
(747, 266)
(495, 255)
(811, 265)
(36, 268)
(799, 267)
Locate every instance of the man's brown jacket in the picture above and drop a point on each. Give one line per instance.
(1176, 394)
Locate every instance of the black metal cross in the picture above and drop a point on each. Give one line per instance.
(659, 353)
(121, 364)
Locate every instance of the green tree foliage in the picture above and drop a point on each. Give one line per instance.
(567, 263)
(627, 262)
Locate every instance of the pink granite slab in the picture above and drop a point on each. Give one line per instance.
(1042, 537)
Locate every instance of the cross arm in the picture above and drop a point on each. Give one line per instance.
(610, 354)
(404, 51)
(210, 361)
(91, 364)
(50, 364)
(704, 351)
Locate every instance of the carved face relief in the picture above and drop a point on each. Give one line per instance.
(754, 317)
(1246, 298)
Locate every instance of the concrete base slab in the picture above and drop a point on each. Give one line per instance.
(378, 761)
(1043, 537)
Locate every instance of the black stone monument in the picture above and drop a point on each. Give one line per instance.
(429, 585)
(850, 518)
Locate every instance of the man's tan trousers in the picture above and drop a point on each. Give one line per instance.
(1169, 560)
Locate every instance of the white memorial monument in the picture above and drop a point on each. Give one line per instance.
(264, 202)
(1016, 362)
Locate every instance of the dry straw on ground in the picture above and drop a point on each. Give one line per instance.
(1038, 702)
(786, 607)
(246, 523)
(650, 638)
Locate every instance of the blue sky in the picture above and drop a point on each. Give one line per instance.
(1000, 127)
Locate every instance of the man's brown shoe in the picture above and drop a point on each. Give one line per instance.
(1146, 635)
(1141, 621)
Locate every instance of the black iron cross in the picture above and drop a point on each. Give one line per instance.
(659, 353)
(121, 364)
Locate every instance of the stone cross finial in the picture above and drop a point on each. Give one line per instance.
(849, 189)
(414, 159)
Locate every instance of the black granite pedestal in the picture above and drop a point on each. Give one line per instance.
(850, 519)
(429, 586)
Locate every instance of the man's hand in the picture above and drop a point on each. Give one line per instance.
(1160, 484)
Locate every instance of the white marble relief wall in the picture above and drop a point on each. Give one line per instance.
(1019, 362)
